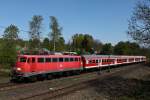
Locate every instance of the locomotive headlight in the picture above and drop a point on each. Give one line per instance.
(18, 69)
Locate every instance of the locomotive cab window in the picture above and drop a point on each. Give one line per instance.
(23, 59)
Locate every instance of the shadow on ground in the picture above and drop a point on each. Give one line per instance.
(118, 88)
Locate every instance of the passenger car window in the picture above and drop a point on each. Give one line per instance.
(96, 61)
(90, 61)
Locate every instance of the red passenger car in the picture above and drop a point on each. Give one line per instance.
(96, 61)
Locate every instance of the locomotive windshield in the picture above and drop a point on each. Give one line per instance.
(23, 59)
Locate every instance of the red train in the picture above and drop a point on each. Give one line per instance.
(33, 66)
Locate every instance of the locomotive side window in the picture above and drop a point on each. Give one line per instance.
(61, 59)
(41, 60)
(47, 59)
(54, 59)
(76, 59)
(66, 59)
(71, 59)
(23, 59)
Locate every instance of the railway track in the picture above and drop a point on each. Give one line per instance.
(64, 90)
(3, 85)
(9, 85)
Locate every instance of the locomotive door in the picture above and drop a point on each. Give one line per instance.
(60, 64)
(32, 64)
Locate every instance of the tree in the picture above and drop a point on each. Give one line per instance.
(107, 49)
(77, 41)
(82, 43)
(55, 33)
(46, 43)
(120, 49)
(97, 45)
(11, 32)
(8, 48)
(127, 48)
(87, 42)
(35, 31)
(61, 44)
(139, 24)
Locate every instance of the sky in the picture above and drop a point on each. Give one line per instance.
(105, 20)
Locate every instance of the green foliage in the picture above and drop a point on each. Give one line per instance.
(107, 49)
(35, 31)
(127, 48)
(82, 43)
(33, 44)
(77, 41)
(55, 33)
(8, 52)
(61, 44)
(87, 42)
(46, 43)
(139, 24)
(11, 32)
(97, 45)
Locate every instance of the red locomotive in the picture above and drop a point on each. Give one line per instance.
(32, 66)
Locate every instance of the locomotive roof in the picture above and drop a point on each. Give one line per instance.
(49, 56)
